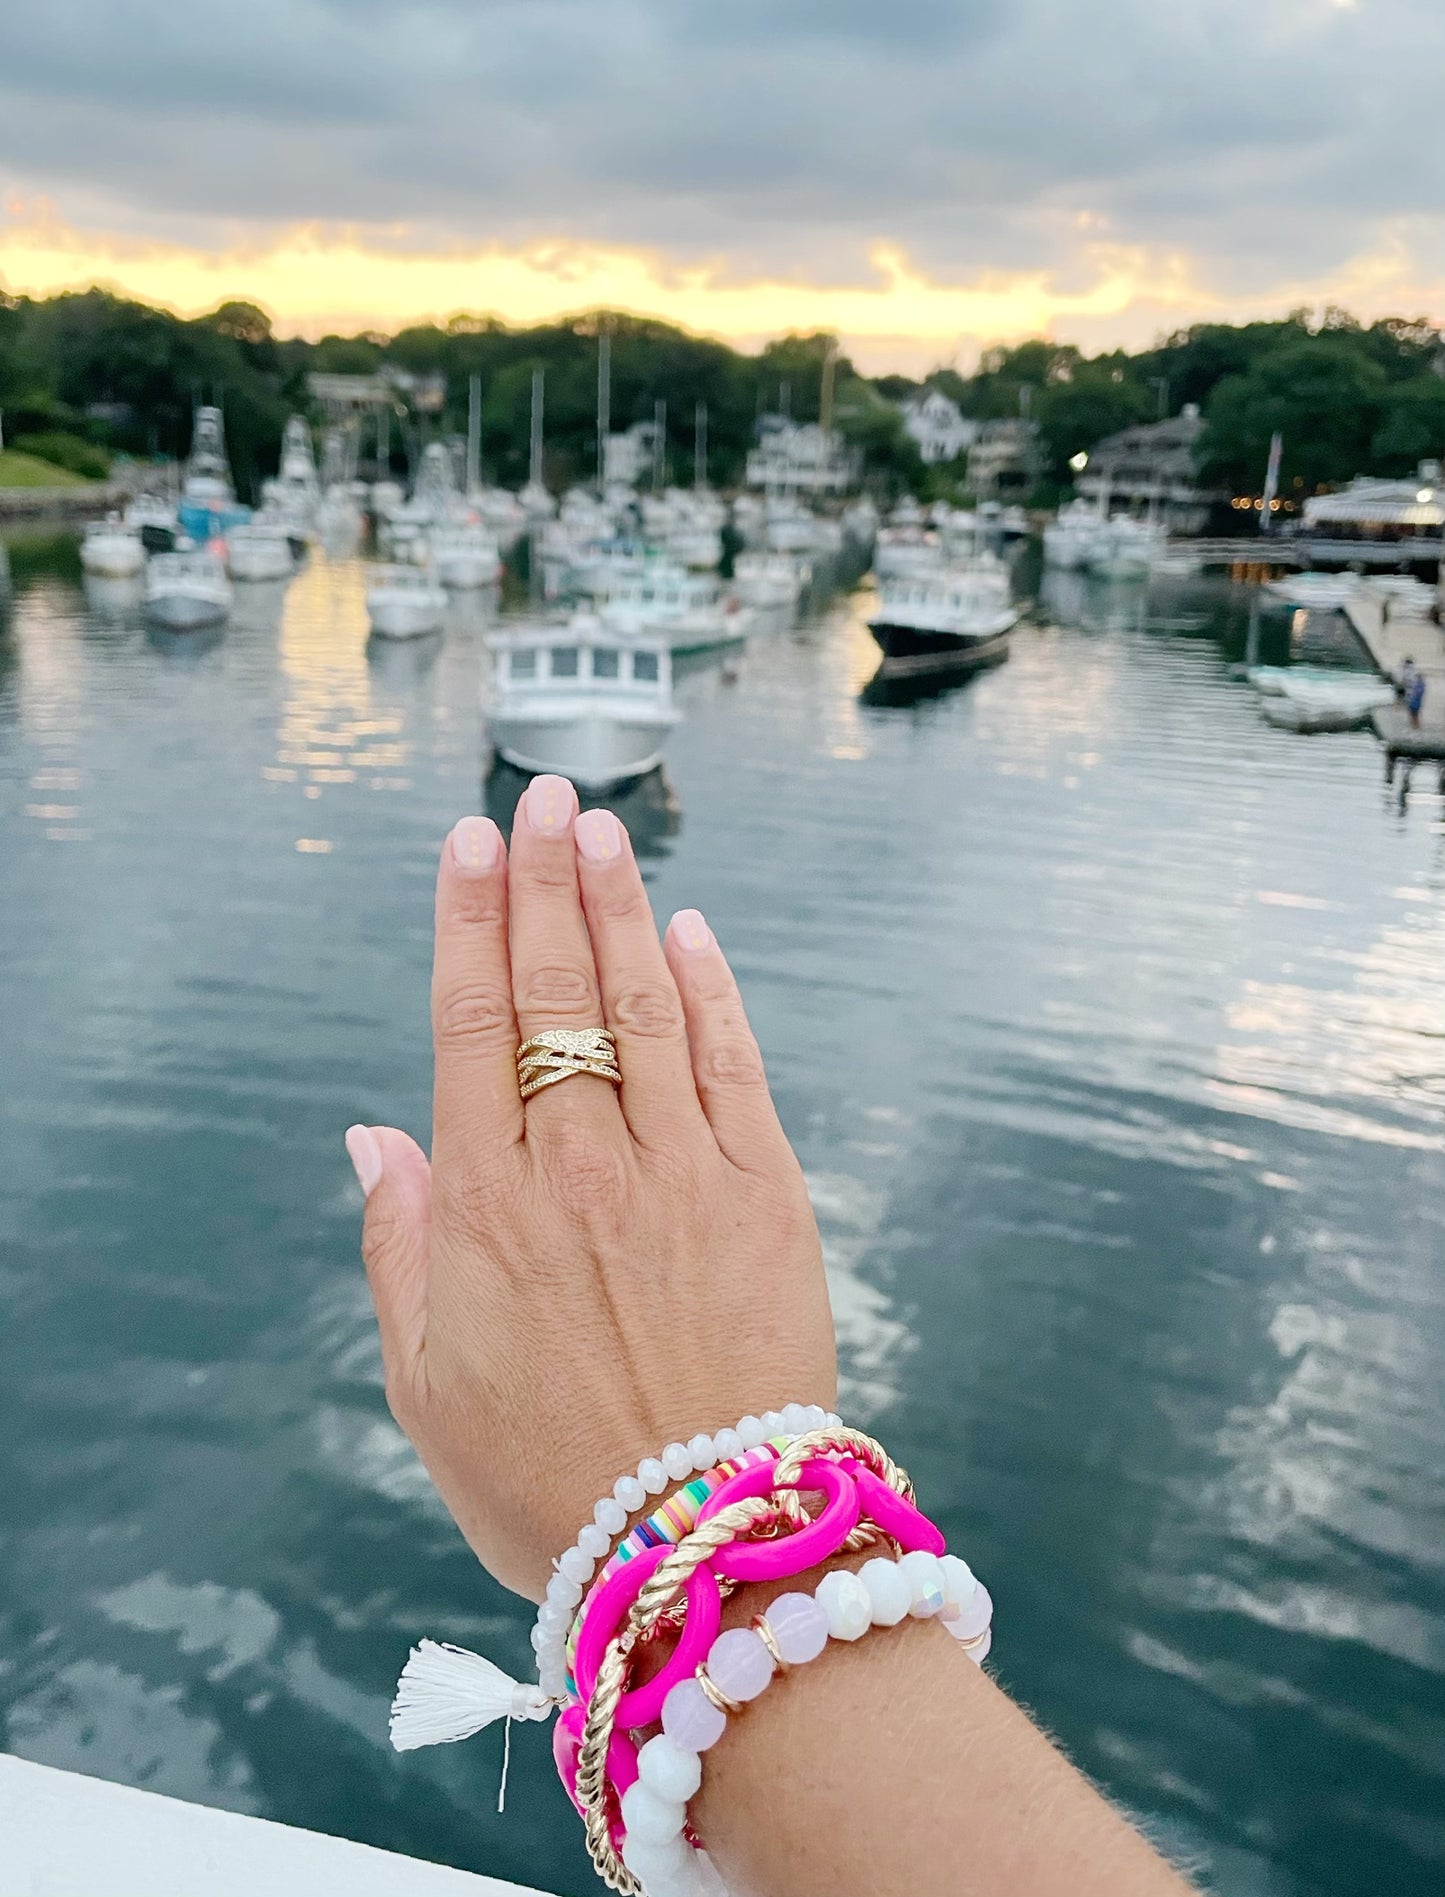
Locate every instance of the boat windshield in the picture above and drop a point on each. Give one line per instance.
(644, 667)
(565, 661)
(606, 662)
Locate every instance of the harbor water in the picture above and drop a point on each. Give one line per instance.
(1109, 1023)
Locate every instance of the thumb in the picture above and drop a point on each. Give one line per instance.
(395, 1239)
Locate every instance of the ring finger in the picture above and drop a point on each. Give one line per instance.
(554, 976)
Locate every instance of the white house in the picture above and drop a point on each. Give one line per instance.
(934, 422)
(801, 458)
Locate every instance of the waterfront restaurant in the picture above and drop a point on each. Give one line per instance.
(1379, 523)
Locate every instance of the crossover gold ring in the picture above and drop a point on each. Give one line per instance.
(558, 1053)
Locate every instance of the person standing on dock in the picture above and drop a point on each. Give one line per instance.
(1410, 685)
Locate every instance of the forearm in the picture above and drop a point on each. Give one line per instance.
(894, 1767)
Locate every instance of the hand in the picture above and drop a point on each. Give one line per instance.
(573, 1283)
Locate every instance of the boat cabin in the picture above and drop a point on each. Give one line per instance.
(581, 656)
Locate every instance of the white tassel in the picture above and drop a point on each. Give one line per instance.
(446, 1693)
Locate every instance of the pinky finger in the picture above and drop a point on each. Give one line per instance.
(727, 1067)
(395, 1241)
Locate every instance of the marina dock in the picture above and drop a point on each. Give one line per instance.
(1390, 639)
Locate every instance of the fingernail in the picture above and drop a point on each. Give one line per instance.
(365, 1151)
(476, 845)
(688, 929)
(599, 836)
(550, 804)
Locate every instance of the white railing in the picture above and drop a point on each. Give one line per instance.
(63, 1835)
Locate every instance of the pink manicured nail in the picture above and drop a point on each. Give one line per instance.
(365, 1150)
(599, 836)
(550, 804)
(476, 845)
(688, 929)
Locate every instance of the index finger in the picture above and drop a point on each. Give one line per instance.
(477, 1107)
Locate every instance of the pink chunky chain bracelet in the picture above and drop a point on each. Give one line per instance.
(743, 1519)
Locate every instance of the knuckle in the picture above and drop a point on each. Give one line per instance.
(649, 1008)
(558, 987)
(471, 1014)
(465, 1197)
(620, 899)
(592, 1173)
(733, 1062)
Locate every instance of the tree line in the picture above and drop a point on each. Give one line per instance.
(84, 376)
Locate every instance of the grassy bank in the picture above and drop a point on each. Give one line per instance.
(27, 470)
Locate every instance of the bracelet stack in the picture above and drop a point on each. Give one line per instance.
(737, 1518)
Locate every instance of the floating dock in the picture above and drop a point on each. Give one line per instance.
(1390, 637)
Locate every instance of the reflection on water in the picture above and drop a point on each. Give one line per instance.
(1107, 1020)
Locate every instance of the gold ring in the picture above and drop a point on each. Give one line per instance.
(558, 1053)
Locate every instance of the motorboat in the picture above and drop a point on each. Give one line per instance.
(1318, 592)
(1072, 539)
(208, 506)
(464, 557)
(1319, 698)
(404, 602)
(771, 581)
(295, 494)
(687, 610)
(1127, 548)
(186, 591)
(111, 550)
(581, 699)
(259, 550)
(154, 519)
(954, 620)
(906, 551)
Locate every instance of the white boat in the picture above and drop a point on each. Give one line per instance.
(1321, 592)
(1319, 698)
(954, 620)
(1127, 548)
(906, 551)
(580, 699)
(112, 550)
(186, 591)
(259, 550)
(295, 494)
(154, 519)
(404, 602)
(687, 610)
(1072, 539)
(770, 580)
(465, 557)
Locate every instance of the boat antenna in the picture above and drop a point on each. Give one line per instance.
(539, 384)
(604, 402)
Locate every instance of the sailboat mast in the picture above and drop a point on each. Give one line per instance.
(604, 405)
(699, 447)
(659, 446)
(539, 380)
(474, 434)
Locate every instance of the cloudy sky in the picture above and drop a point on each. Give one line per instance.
(926, 176)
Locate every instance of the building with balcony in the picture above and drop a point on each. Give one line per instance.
(939, 427)
(1153, 468)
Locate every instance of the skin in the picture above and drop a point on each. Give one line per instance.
(569, 1284)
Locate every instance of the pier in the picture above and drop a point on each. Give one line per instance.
(1390, 639)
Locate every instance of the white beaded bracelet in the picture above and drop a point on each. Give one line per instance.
(573, 1570)
(742, 1664)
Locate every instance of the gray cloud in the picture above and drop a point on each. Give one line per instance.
(1270, 140)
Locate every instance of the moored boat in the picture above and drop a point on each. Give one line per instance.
(112, 550)
(259, 550)
(404, 602)
(769, 580)
(208, 506)
(955, 620)
(581, 699)
(465, 557)
(186, 591)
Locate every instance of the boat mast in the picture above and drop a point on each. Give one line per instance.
(474, 434)
(539, 379)
(659, 446)
(699, 447)
(825, 398)
(604, 404)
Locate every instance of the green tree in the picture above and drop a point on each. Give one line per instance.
(1323, 394)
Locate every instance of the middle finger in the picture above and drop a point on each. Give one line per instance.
(554, 976)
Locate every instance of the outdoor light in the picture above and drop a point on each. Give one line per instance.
(1078, 462)
(1425, 494)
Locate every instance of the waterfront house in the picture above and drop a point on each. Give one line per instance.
(1153, 468)
(1003, 462)
(801, 458)
(1377, 523)
(936, 423)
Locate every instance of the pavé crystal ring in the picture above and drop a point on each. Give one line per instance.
(558, 1053)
